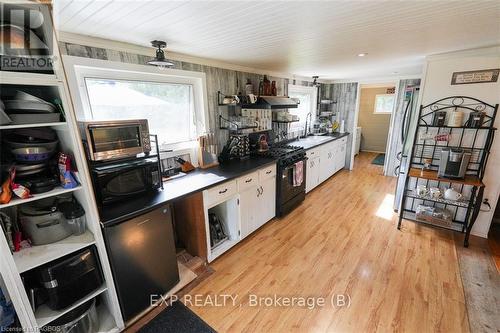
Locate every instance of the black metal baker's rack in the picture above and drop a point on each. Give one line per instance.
(477, 140)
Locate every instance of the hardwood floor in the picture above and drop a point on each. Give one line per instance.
(341, 241)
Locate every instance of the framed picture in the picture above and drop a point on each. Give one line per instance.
(478, 76)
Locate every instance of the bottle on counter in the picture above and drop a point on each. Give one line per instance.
(274, 92)
(261, 87)
(266, 86)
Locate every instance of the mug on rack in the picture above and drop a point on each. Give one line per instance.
(435, 193)
(422, 190)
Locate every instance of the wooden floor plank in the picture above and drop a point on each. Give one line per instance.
(342, 240)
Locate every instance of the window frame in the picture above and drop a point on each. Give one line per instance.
(82, 68)
(313, 91)
(384, 112)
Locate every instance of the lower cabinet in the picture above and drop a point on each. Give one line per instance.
(324, 161)
(327, 165)
(313, 170)
(249, 200)
(258, 203)
(239, 207)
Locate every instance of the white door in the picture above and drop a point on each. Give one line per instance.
(327, 164)
(249, 210)
(312, 173)
(267, 201)
(340, 158)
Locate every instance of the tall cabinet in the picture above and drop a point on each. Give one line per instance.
(50, 85)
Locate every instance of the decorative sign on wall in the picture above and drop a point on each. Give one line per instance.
(479, 76)
(391, 90)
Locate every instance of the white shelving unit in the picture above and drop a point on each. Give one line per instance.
(45, 315)
(57, 191)
(35, 256)
(7, 127)
(12, 266)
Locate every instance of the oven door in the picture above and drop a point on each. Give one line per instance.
(287, 189)
(115, 182)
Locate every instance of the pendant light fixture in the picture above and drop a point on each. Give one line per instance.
(160, 60)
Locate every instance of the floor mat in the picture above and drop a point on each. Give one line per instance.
(177, 318)
(379, 160)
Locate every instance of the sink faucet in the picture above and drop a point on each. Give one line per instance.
(306, 129)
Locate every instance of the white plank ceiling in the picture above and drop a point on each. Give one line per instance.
(300, 37)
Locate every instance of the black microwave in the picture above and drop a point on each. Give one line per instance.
(116, 181)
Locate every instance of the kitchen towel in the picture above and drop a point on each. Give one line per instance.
(298, 173)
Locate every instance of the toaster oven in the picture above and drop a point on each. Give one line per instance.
(116, 139)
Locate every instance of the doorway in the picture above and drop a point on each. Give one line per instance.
(376, 105)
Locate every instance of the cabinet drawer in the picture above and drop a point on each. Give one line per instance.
(311, 153)
(267, 172)
(249, 180)
(219, 193)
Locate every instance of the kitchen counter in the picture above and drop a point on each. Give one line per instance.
(315, 141)
(195, 181)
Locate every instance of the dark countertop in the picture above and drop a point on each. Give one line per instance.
(195, 181)
(315, 141)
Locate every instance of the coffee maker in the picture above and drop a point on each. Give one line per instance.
(453, 162)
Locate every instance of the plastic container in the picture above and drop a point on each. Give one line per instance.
(75, 216)
(43, 225)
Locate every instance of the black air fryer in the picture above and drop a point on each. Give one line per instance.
(70, 278)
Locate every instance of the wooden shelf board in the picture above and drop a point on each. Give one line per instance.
(432, 175)
(57, 191)
(44, 315)
(27, 78)
(35, 256)
(59, 123)
(285, 121)
(410, 216)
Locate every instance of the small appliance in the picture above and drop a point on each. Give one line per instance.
(115, 139)
(439, 118)
(453, 162)
(119, 180)
(475, 119)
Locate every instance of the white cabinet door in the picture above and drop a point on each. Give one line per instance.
(327, 164)
(267, 201)
(249, 210)
(312, 173)
(340, 157)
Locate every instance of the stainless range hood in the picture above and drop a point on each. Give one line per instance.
(277, 102)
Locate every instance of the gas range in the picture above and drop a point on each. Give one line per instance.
(285, 154)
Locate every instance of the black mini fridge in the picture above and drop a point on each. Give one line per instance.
(143, 259)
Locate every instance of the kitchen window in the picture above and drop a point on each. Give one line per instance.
(173, 101)
(307, 97)
(384, 103)
(168, 107)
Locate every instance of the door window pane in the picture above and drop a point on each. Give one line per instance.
(384, 103)
(168, 107)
